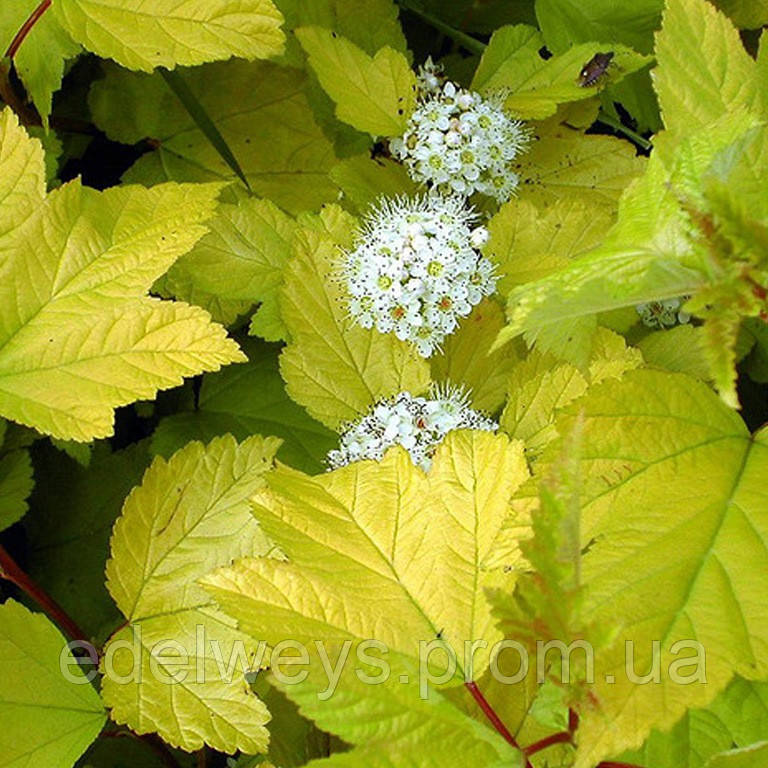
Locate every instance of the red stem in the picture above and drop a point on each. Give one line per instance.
(494, 719)
(11, 571)
(610, 764)
(564, 737)
(26, 28)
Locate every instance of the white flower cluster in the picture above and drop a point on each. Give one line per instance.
(459, 142)
(415, 269)
(419, 424)
(663, 314)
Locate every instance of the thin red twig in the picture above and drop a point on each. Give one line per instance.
(564, 737)
(490, 713)
(610, 764)
(26, 28)
(11, 571)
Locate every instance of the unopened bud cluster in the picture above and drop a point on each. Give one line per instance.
(663, 314)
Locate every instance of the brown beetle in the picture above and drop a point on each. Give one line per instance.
(594, 69)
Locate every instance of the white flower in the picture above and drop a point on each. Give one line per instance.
(430, 77)
(416, 269)
(419, 424)
(663, 314)
(459, 142)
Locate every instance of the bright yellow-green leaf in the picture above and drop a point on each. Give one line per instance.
(379, 550)
(566, 164)
(528, 243)
(240, 260)
(703, 70)
(680, 349)
(374, 94)
(540, 386)
(169, 33)
(261, 111)
(557, 80)
(40, 60)
(189, 515)
(22, 181)
(79, 336)
(533, 86)
(511, 54)
(49, 718)
(332, 368)
(465, 358)
(16, 484)
(428, 731)
(675, 512)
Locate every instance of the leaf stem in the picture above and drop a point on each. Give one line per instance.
(617, 125)
(26, 28)
(611, 764)
(494, 719)
(469, 42)
(11, 572)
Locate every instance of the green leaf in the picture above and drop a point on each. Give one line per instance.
(173, 32)
(203, 121)
(16, 483)
(49, 718)
(41, 58)
(534, 87)
(22, 181)
(374, 94)
(189, 515)
(703, 70)
(363, 563)
(465, 358)
(749, 757)
(738, 716)
(745, 14)
(269, 127)
(240, 260)
(332, 368)
(674, 512)
(369, 24)
(244, 400)
(68, 527)
(564, 22)
(363, 179)
(557, 80)
(74, 308)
